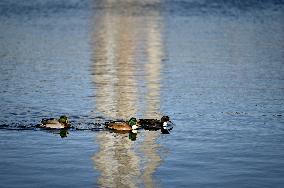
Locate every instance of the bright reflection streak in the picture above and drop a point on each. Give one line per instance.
(128, 48)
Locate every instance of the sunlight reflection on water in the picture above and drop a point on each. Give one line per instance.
(128, 51)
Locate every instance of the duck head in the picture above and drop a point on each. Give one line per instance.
(165, 120)
(133, 123)
(63, 119)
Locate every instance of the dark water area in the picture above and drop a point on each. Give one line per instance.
(216, 68)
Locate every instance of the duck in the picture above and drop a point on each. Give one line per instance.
(52, 123)
(124, 126)
(155, 124)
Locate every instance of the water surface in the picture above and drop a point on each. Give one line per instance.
(215, 68)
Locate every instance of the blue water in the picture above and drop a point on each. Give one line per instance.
(216, 68)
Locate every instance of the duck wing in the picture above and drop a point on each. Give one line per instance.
(50, 120)
(118, 126)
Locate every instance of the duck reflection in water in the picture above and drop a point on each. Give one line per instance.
(63, 133)
(132, 135)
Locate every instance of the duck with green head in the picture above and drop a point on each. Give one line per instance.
(52, 123)
(123, 125)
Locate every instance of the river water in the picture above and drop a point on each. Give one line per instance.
(215, 68)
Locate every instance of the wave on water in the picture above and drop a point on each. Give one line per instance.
(78, 123)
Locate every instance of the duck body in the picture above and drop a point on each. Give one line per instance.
(155, 124)
(53, 123)
(150, 124)
(122, 125)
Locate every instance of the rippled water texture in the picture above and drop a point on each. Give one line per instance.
(215, 68)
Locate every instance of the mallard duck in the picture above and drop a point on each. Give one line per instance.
(52, 123)
(123, 125)
(155, 124)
